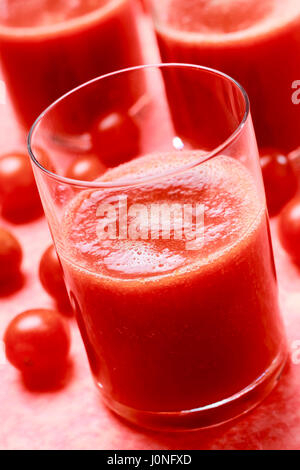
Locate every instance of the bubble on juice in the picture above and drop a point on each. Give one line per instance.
(138, 260)
(154, 166)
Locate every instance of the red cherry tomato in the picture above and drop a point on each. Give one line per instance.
(279, 179)
(86, 168)
(18, 192)
(37, 340)
(115, 138)
(51, 277)
(289, 228)
(10, 256)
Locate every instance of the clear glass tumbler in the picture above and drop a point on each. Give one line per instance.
(158, 214)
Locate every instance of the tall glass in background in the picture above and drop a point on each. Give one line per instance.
(178, 308)
(48, 47)
(256, 42)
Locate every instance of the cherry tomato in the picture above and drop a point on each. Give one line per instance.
(289, 228)
(86, 168)
(115, 138)
(10, 256)
(51, 277)
(279, 179)
(37, 340)
(18, 192)
(48, 380)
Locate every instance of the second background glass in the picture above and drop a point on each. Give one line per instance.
(48, 47)
(255, 42)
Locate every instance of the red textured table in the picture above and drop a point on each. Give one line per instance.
(73, 416)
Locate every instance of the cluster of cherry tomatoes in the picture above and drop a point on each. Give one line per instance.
(37, 342)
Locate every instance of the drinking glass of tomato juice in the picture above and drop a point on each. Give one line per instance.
(166, 247)
(48, 47)
(246, 39)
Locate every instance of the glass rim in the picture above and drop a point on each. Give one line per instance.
(135, 182)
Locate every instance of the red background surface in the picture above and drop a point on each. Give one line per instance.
(73, 417)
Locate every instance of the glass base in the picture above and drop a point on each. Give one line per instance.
(209, 415)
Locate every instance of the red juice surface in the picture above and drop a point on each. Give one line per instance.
(168, 328)
(49, 47)
(255, 42)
